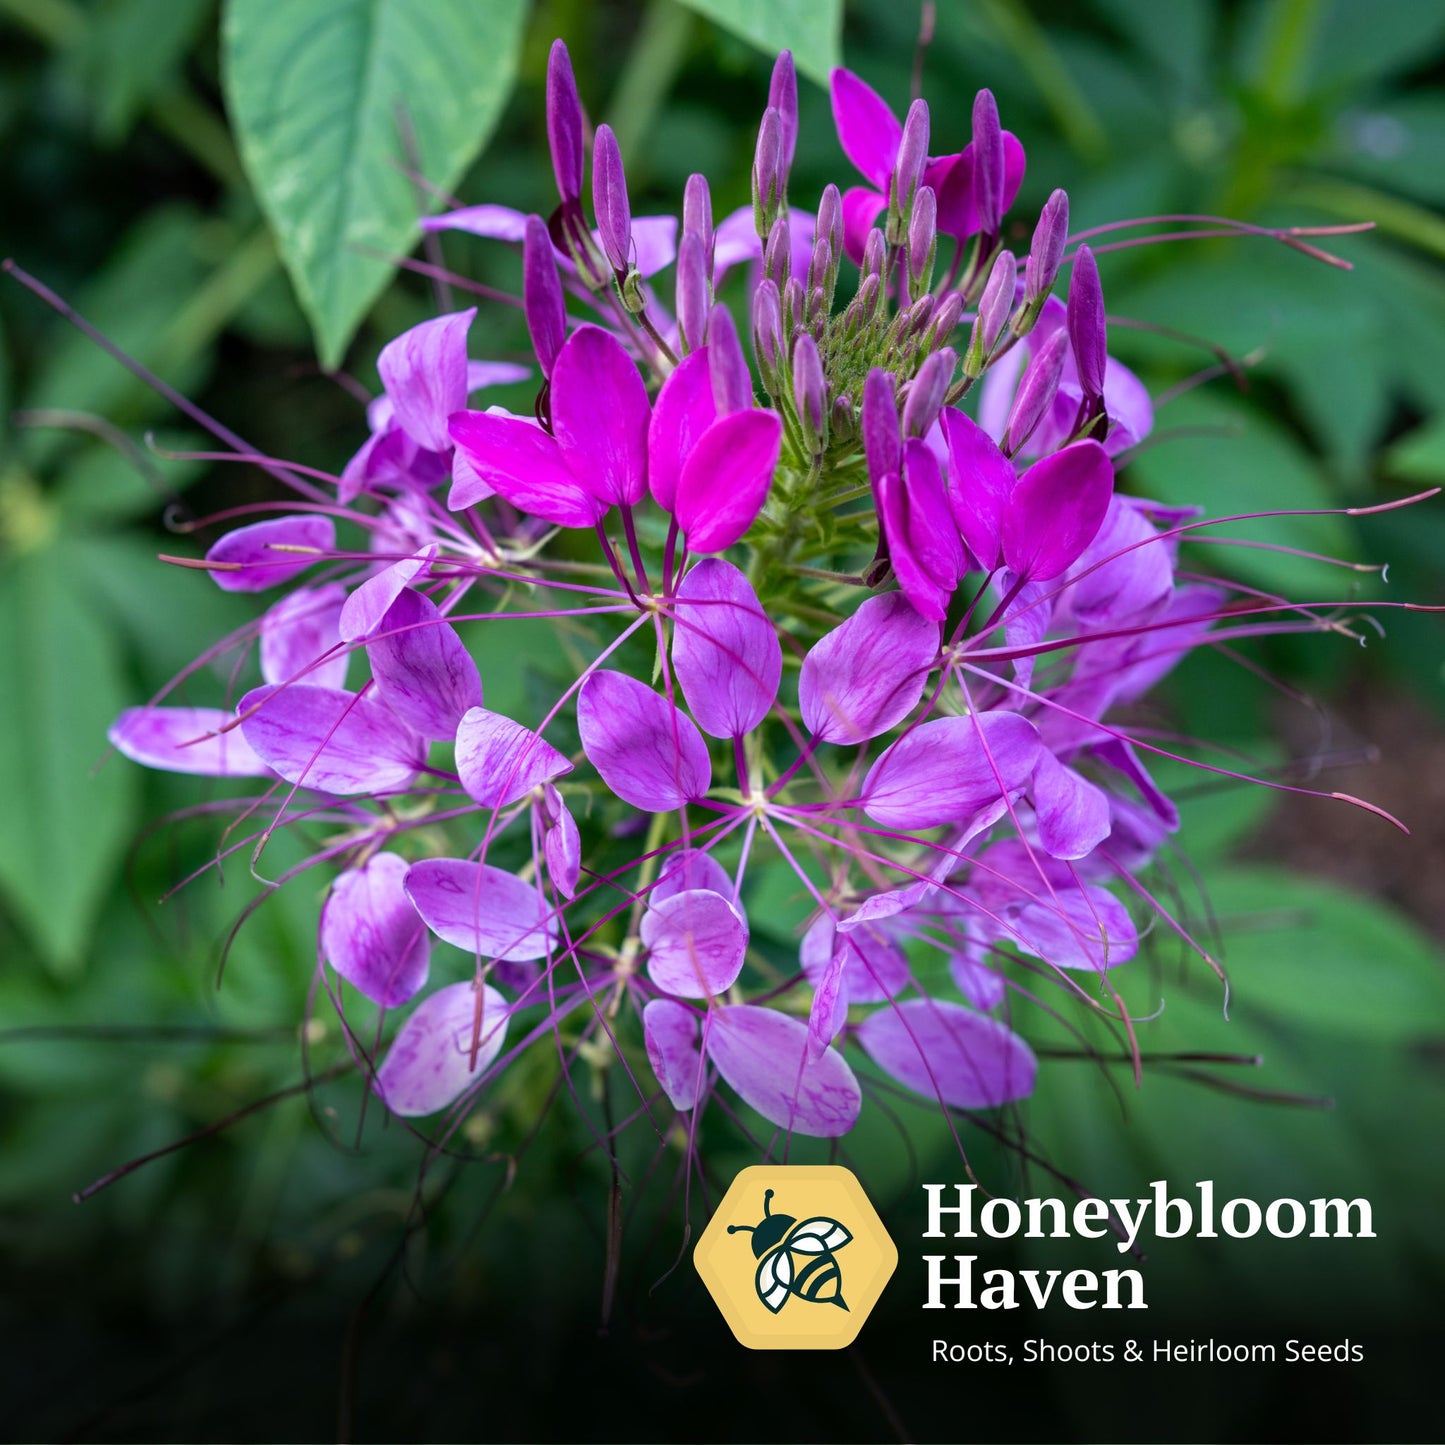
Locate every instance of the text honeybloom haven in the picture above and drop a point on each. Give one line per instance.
(952, 1278)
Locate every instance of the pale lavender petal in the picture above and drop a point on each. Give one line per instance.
(561, 842)
(654, 243)
(648, 752)
(424, 372)
(869, 672)
(333, 741)
(600, 416)
(485, 910)
(947, 1052)
(984, 987)
(1120, 754)
(371, 935)
(1086, 928)
(830, 1006)
(302, 627)
(953, 770)
(692, 868)
(1130, 408)
(868, 130)
(253, 558)
(500, 761)
(684, 411)
(175, 739)
(484, 374)
(421, 668)
(1073, 815)
(876, 966)
(1190, 613)
(725, 480)
(1056, 509)
(763, 1055)
(365, 610)
(725, 651)
(1027, 619)
(1125, 573)
(696, 943)
(429, 1064)
(518, 459)
(670, 1033)
(496, 223)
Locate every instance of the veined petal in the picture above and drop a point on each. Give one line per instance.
(670, 1033)
(684, 411)
(1084, 928)
(647, 751)
(521, 462)
(1056, 509)
(875, 965)
(484, 910)
(261, 556)
(696, 942)
(830, 1006)
(600, 416)
(175, 739)
(763, 1055)
(298, 629)
(364, 611)
(725, 651)
(868, 130)
(561, 842)
(945, 1051)
(500, 761)
(952, 770)
(421, 669)
(1073, 815)
(725, 480)
(371, 935)
(424, 371)
(429, 1064)
(692, 868)
(869, 672)
(333, 741)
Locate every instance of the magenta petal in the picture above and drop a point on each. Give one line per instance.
(333, 741)
(861, 208)
(692, 868)
(953, 770)
(1056, 508)
(952, 180)
(175, 739)
(522, 463)
(366, 608)
(868, 130)
(600, 415)
(485, 910)
(257, 557)
(429, 1064)
(561, 842)
(421, 669)
(1073, 815)
(648, 752)
(424, 372)
(980, 483)
(763, 1055)
(500, 761)
(725, 480)
(696, 943)
(670, 1033)
(683, 412)
(371, 934)
(300, 628)
(725, 651)
(947, 1052)
(869, 672)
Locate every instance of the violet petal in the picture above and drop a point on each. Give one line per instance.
(371, 935)
(429, 1064)
(484, 910)
(647, 751)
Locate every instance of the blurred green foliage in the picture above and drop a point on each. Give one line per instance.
(145, 179)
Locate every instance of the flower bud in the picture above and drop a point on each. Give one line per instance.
(783, 97)
(988, 163)
(882, 441)
(926, 393)
(564, 124)
(993, 312)
(875, 255)
(768, 344)
(542, 302)
(830, 225)
(609, 200)
(870, 292)
(794, 304)
(1087, 327)
(810, 392)
(945, 318)
(920, 314)
(818, 308)
(768, 176)
(820, 267)
(1036, 392)
(778, 253)
(1047, 249)
(908, 170)
(922, 240)
(732, 385)
(842, 420)
(697, 214)
(693, 291)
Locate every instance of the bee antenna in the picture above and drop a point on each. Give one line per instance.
(767, 1200)
(741, 1228)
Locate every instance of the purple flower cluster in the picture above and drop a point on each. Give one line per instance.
(836, 629)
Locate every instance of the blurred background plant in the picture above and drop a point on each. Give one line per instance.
(244, 254)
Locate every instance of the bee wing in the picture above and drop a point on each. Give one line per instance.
(775, 1276)
(817, 1235)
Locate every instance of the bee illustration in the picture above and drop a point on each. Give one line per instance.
(777, 1238)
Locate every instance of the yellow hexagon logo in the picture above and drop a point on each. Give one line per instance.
(796, 1257)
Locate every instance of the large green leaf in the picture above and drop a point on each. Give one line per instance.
(811, 29)
(62, 824)
(321, 93)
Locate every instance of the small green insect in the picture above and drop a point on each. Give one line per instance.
(777, 1238)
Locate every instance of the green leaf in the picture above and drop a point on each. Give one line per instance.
(811, 29)
(63, 824)
(1419, 455)
(1315, 955)
(320, 92)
